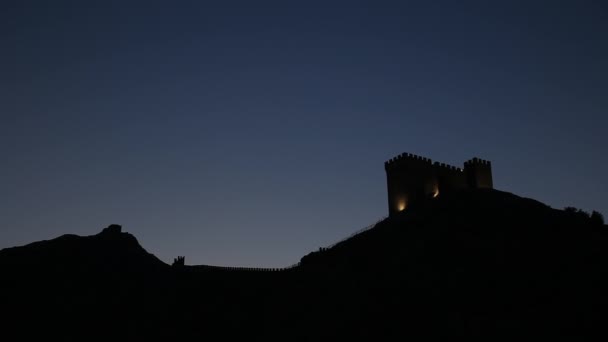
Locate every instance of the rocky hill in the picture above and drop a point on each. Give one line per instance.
(479, 263)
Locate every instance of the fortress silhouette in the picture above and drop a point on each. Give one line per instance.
(538, 271)
(411, 178)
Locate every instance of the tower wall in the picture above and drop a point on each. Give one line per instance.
(449, 177)
(409, 178)
(479, 173)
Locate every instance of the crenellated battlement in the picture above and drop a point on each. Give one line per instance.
(411, 177)
(406, 159)
(477, 161)
(447, 167)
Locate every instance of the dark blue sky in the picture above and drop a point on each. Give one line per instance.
(251, 132)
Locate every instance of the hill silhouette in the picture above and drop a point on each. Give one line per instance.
(110, 251)
(473, 263)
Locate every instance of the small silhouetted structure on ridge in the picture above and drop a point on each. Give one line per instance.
(112, 229)
(179, 261)
(411, 178)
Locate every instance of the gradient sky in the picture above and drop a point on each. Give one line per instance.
(251, 132)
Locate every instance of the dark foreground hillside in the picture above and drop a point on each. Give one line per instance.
(471, 264)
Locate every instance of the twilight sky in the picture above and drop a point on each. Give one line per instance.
(252, 132)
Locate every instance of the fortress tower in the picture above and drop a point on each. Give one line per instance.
(411, 178)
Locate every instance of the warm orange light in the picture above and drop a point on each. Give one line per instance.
(401, 204)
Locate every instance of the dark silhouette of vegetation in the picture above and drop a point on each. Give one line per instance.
(573, 210)
(597, 218)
